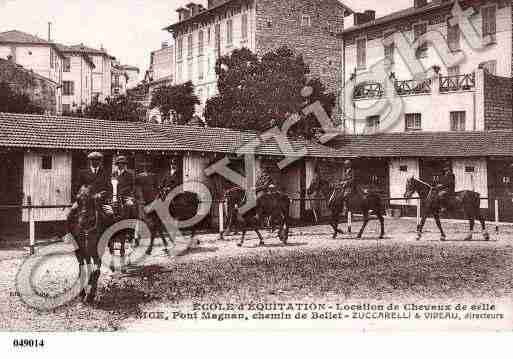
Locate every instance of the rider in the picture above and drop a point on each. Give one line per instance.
(146, 184)
(264, 182)
(171, 179)
(347, 183)
(126, 185)
(446, 187)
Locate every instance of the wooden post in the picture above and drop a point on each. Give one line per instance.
(32, 227)
(497, 215)
(418, 211)
(221, 217)
(349, 221)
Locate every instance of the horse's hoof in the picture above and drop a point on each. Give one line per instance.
(239, 244)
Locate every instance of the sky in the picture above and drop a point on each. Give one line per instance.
(129, 30)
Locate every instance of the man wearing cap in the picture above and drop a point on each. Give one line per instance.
(126, 182)
(264, 182)
(171, 180)
(446, 186)
(346, 184)
(95, 176)
(146, 184)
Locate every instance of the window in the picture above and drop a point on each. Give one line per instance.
(490, 67)
(470, 169)
(413, 122)
(180, 49)
(46, 162)
(189, 45)
(305, 20)
(66, 65)
(453, 37)
(68, 88)
(458, 121)
(403, 168)
(229, 32)
(201, 73)
(361, 53)
(66, 108)
(453, 70)
(189, 71)
(179, 74)
(489, 19)
(372, 124)
(208, 35)
(217, 35)
(244, 26)
(200, 43)
(389, 53)
(418, 31)
(52, 60)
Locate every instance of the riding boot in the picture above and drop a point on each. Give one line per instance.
(93, 282)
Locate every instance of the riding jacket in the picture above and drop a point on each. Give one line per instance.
(100, 181)
(147, 182)
(126, 184)
(447, 183)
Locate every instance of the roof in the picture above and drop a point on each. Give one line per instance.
(67, 133)
(20, 37)
(129, 68)
(89, 50)
(208, 12)
(412, 11)
(428, 144)
(67, 49)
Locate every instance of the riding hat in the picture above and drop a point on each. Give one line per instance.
(347, 163)
(121, 160)
(95, 156)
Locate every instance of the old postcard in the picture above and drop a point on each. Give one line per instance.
(255, 165)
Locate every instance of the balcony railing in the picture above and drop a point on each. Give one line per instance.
(412, 87)
(457, 83)
(368, 90)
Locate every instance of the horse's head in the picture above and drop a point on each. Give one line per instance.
(317, 185)
(85, 195)
(411, 187)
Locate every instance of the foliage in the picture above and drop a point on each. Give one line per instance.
(258, 93)
(178, 99)
(14, 102)
(120, 108)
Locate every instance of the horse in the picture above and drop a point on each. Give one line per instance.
(272, 205)
(469, 201)
(86, 226)
(357, 201)
(155, 225)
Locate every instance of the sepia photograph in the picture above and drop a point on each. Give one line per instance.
(246, 166)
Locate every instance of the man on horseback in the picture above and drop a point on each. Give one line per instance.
(346, 185)
(171, 180)
(264, 182)
(125, 187)
(445, 187)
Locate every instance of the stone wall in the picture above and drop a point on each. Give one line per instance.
(498, 96)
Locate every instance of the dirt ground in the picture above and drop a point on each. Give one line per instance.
(312, 266)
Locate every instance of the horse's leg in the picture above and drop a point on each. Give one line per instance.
(365, 221)
(420, 226)
(93, 280)
(242, 237)
(436, 215)
(122, 252)
(471, 222)
(382, 225)
(111, 252)
(486, 235)
(334, 223)
(82, 274)
(260, 237)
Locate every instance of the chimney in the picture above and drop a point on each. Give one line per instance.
(49, 31)
(417, 4)
(182, 13)
(371, 15)
(361, 18)
(194, 8)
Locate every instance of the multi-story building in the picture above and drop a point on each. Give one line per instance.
(77, 79)
(34, 53)
(119, 80)
(308, 27)
(133, 73)
(418, 78)
(102, 72)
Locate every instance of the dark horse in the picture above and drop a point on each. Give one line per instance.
(469, 201)
(273, 205)
(357, 201)
(86, 225)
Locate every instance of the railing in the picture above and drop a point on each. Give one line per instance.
(413, 87)
(368, 90)
(457, 83)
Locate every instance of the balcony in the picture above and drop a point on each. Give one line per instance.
(457, 83)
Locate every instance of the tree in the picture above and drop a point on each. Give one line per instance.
(119, 108)
(258, 93)
(179, 99)
(14, 102)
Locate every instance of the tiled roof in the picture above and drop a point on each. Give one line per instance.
(16, 36)
(428, 144)
(67, 49)
(53, 132)
(88, 50)
(412, 11)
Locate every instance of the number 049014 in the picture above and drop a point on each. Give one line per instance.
(28, 343)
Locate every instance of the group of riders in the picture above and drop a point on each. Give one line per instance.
(143, 188)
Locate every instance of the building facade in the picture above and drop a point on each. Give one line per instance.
(132, 73)
(403, 87)
(33, 53)
(308, 27)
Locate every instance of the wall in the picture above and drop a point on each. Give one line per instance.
(498, 103)
(41, 91)
(399, 178)
(162, 63)
(437, 22)
(81, 75)
(47, 187)
(476, 181)
(317, 43)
